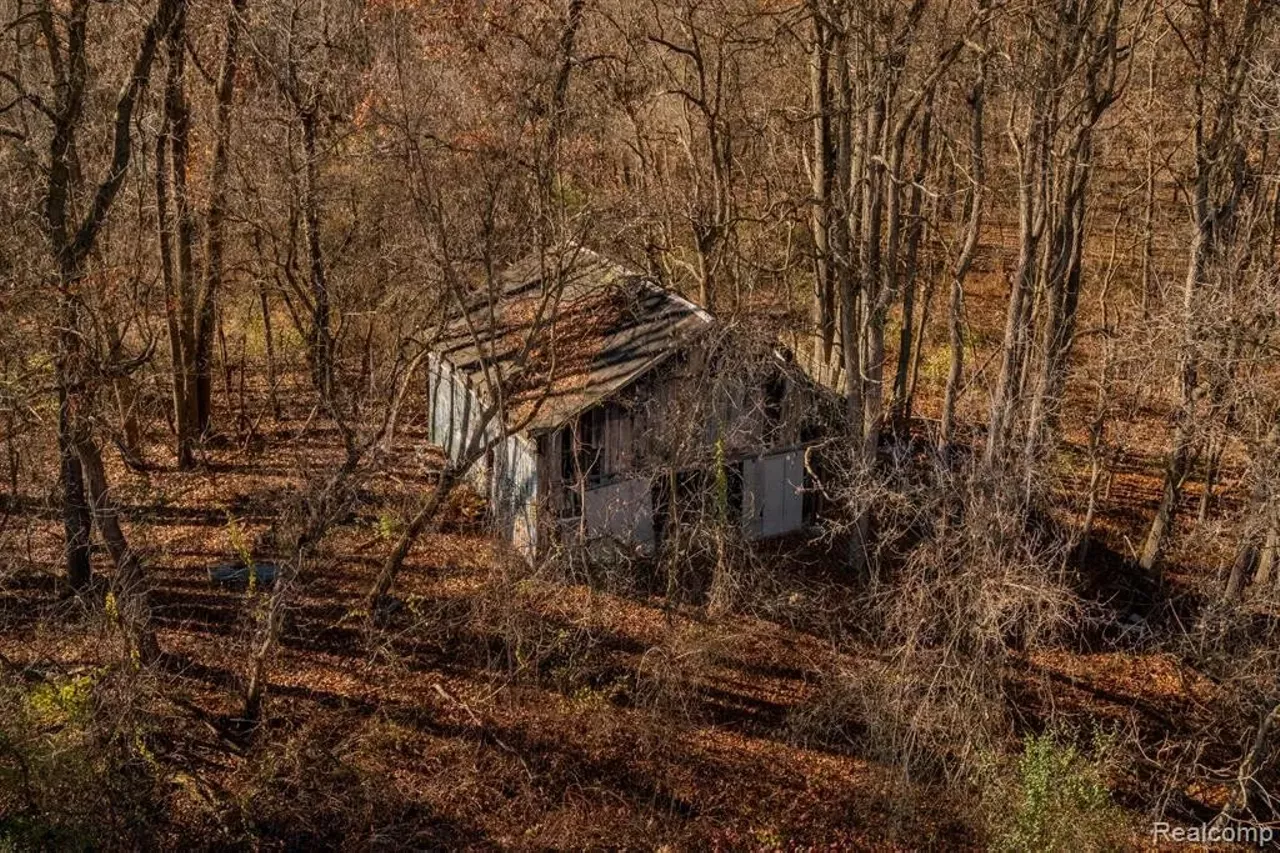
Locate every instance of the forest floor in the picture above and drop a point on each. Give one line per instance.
(504, 708)
(493, 711)
(508, 708)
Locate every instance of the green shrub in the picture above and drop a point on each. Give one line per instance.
(1051, 798)
(75, 769)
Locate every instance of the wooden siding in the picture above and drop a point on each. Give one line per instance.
(509, 476)
(515, 493)
(634, 440)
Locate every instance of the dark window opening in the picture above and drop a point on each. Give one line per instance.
(661, 496)
(568, 472)
(733, 472)
(691, 493)
(775, 391)
(582, 447)
(591, 446)
(810, 496)
(810, 431)
(490, 473)
(571, 506)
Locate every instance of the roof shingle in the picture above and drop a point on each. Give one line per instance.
(596, 327)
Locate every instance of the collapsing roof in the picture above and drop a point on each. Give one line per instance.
(568, 330)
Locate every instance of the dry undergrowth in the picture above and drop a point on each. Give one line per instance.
(502, 704)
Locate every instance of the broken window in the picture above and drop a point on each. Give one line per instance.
(775, 392)
(582, 448)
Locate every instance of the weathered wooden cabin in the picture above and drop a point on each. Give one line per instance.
(627, 408)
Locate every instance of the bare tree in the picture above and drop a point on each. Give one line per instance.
(974, 199)
(1076, 72)
(557, 258)
(1220, 51)
(74, 212)
(189, 294)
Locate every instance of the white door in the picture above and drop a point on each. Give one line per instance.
(773, 502)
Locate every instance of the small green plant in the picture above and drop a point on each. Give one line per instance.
(768, 838)
(62, 704)
(388, 526)
(240, 545)
(1051, 798)
(936, 366)
(112, 609)
(75, 764)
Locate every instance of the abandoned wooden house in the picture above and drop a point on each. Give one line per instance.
(626, 409)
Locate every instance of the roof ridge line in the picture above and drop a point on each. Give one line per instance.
(646, 279)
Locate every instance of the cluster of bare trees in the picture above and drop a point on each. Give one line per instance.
(245, 219)
(336, 180)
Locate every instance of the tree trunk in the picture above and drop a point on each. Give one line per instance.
(902, 376)
(70, 243)
(1256, 553)
(422, 522)
(175, 247)
(1212, 460)
(216, 215)
(1265, 578)
(1246, 779)
(1221, 176)
(77, 521)
(128, 584)
(126, 403)
(969, 248)
(321, 336)
(822, 216)
(1062, 294)
(1181, 454)
(268, 338)
(1031, 213)
(179, 114)
(871, 376)
(847, 236)
(1149, 196)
